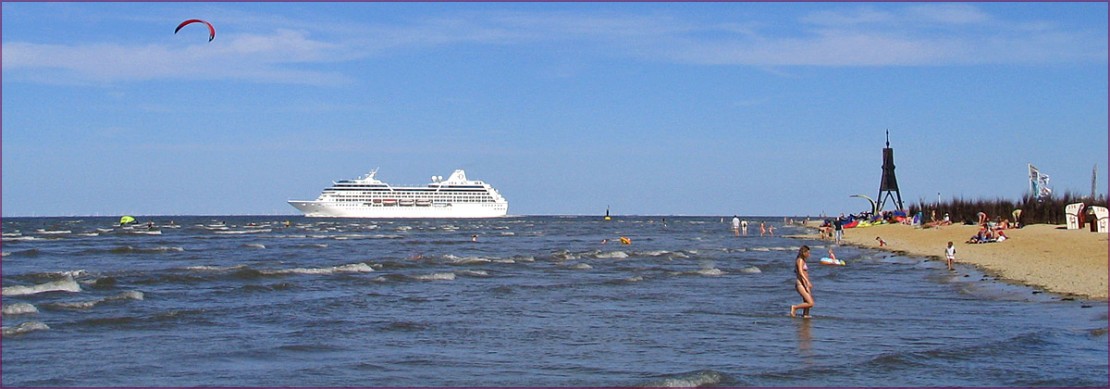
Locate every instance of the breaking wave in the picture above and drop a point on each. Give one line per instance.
(66, 285)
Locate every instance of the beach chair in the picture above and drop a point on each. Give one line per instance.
(1102, 215)
(1073, 214)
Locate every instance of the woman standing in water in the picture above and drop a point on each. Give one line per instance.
(802, 284)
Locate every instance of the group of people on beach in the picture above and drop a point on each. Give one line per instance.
(990, 232)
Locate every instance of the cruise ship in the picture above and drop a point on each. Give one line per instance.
(367, 197)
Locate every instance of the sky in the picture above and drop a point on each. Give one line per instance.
(760, 109)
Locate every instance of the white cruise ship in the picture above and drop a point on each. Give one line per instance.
(367, 197)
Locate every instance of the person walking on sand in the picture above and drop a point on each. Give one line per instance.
(950, 254)
(802, 283)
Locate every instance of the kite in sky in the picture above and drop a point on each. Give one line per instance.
(211, 30)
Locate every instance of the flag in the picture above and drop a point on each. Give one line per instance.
(1038, 183)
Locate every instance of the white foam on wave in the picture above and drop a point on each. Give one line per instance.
(465, 260)
(612, 255)
(582, 266)
(436, 277)
(24, 328)
(474, 273)
(692, 380)
(21, 239)
(214, 268)
(563, 256)
(711, 272)
(349, 268)
(19, 309)
(254, 245)
(751, 270)
(73, 273)
(634, 279)
(53, 232)
(66, 285)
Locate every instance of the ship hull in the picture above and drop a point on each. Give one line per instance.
(461, 211)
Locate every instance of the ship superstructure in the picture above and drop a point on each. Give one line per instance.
(368, 197)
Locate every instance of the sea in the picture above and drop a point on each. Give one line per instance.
(513, 301)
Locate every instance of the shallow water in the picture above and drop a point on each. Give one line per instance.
(536, 301)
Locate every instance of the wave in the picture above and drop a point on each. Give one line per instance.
(751, 270)
(465, 260)
(714, 272)
(253, 245)
(349, 268)
(66, 285)
(21, 238)
(53, 232)
(19, 309)
(474, 273)
(237, 232)
(612, 255)
(215, 268)
(435, 277)
(689, 380)
(24, 328)
(129, 295)
(24, 253)
(137, 250)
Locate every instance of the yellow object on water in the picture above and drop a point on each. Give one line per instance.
(126, 220)
(625, 240)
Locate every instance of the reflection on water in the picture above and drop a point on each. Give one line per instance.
(805, 340)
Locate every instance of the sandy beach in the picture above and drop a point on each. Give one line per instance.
(1045, 256)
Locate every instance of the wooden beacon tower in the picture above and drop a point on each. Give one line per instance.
(888, 189)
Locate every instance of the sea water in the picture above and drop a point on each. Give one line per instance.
(515, 301)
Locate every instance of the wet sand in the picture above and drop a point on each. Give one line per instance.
(1045, 256)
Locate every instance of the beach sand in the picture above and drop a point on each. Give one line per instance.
(1046, 256)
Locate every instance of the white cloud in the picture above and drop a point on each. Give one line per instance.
(258, 58)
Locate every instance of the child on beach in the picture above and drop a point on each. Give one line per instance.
(881, 241)
(950, 254)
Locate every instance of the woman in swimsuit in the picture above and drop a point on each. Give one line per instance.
(802, 284)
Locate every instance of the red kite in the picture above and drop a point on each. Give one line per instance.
(211, 30)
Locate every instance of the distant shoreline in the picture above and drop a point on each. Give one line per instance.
(1046, 256)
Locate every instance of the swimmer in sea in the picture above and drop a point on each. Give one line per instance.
(802, 283)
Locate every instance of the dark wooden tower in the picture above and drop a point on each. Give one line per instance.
(888, 189)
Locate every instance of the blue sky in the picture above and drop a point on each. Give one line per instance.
(648, 108)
